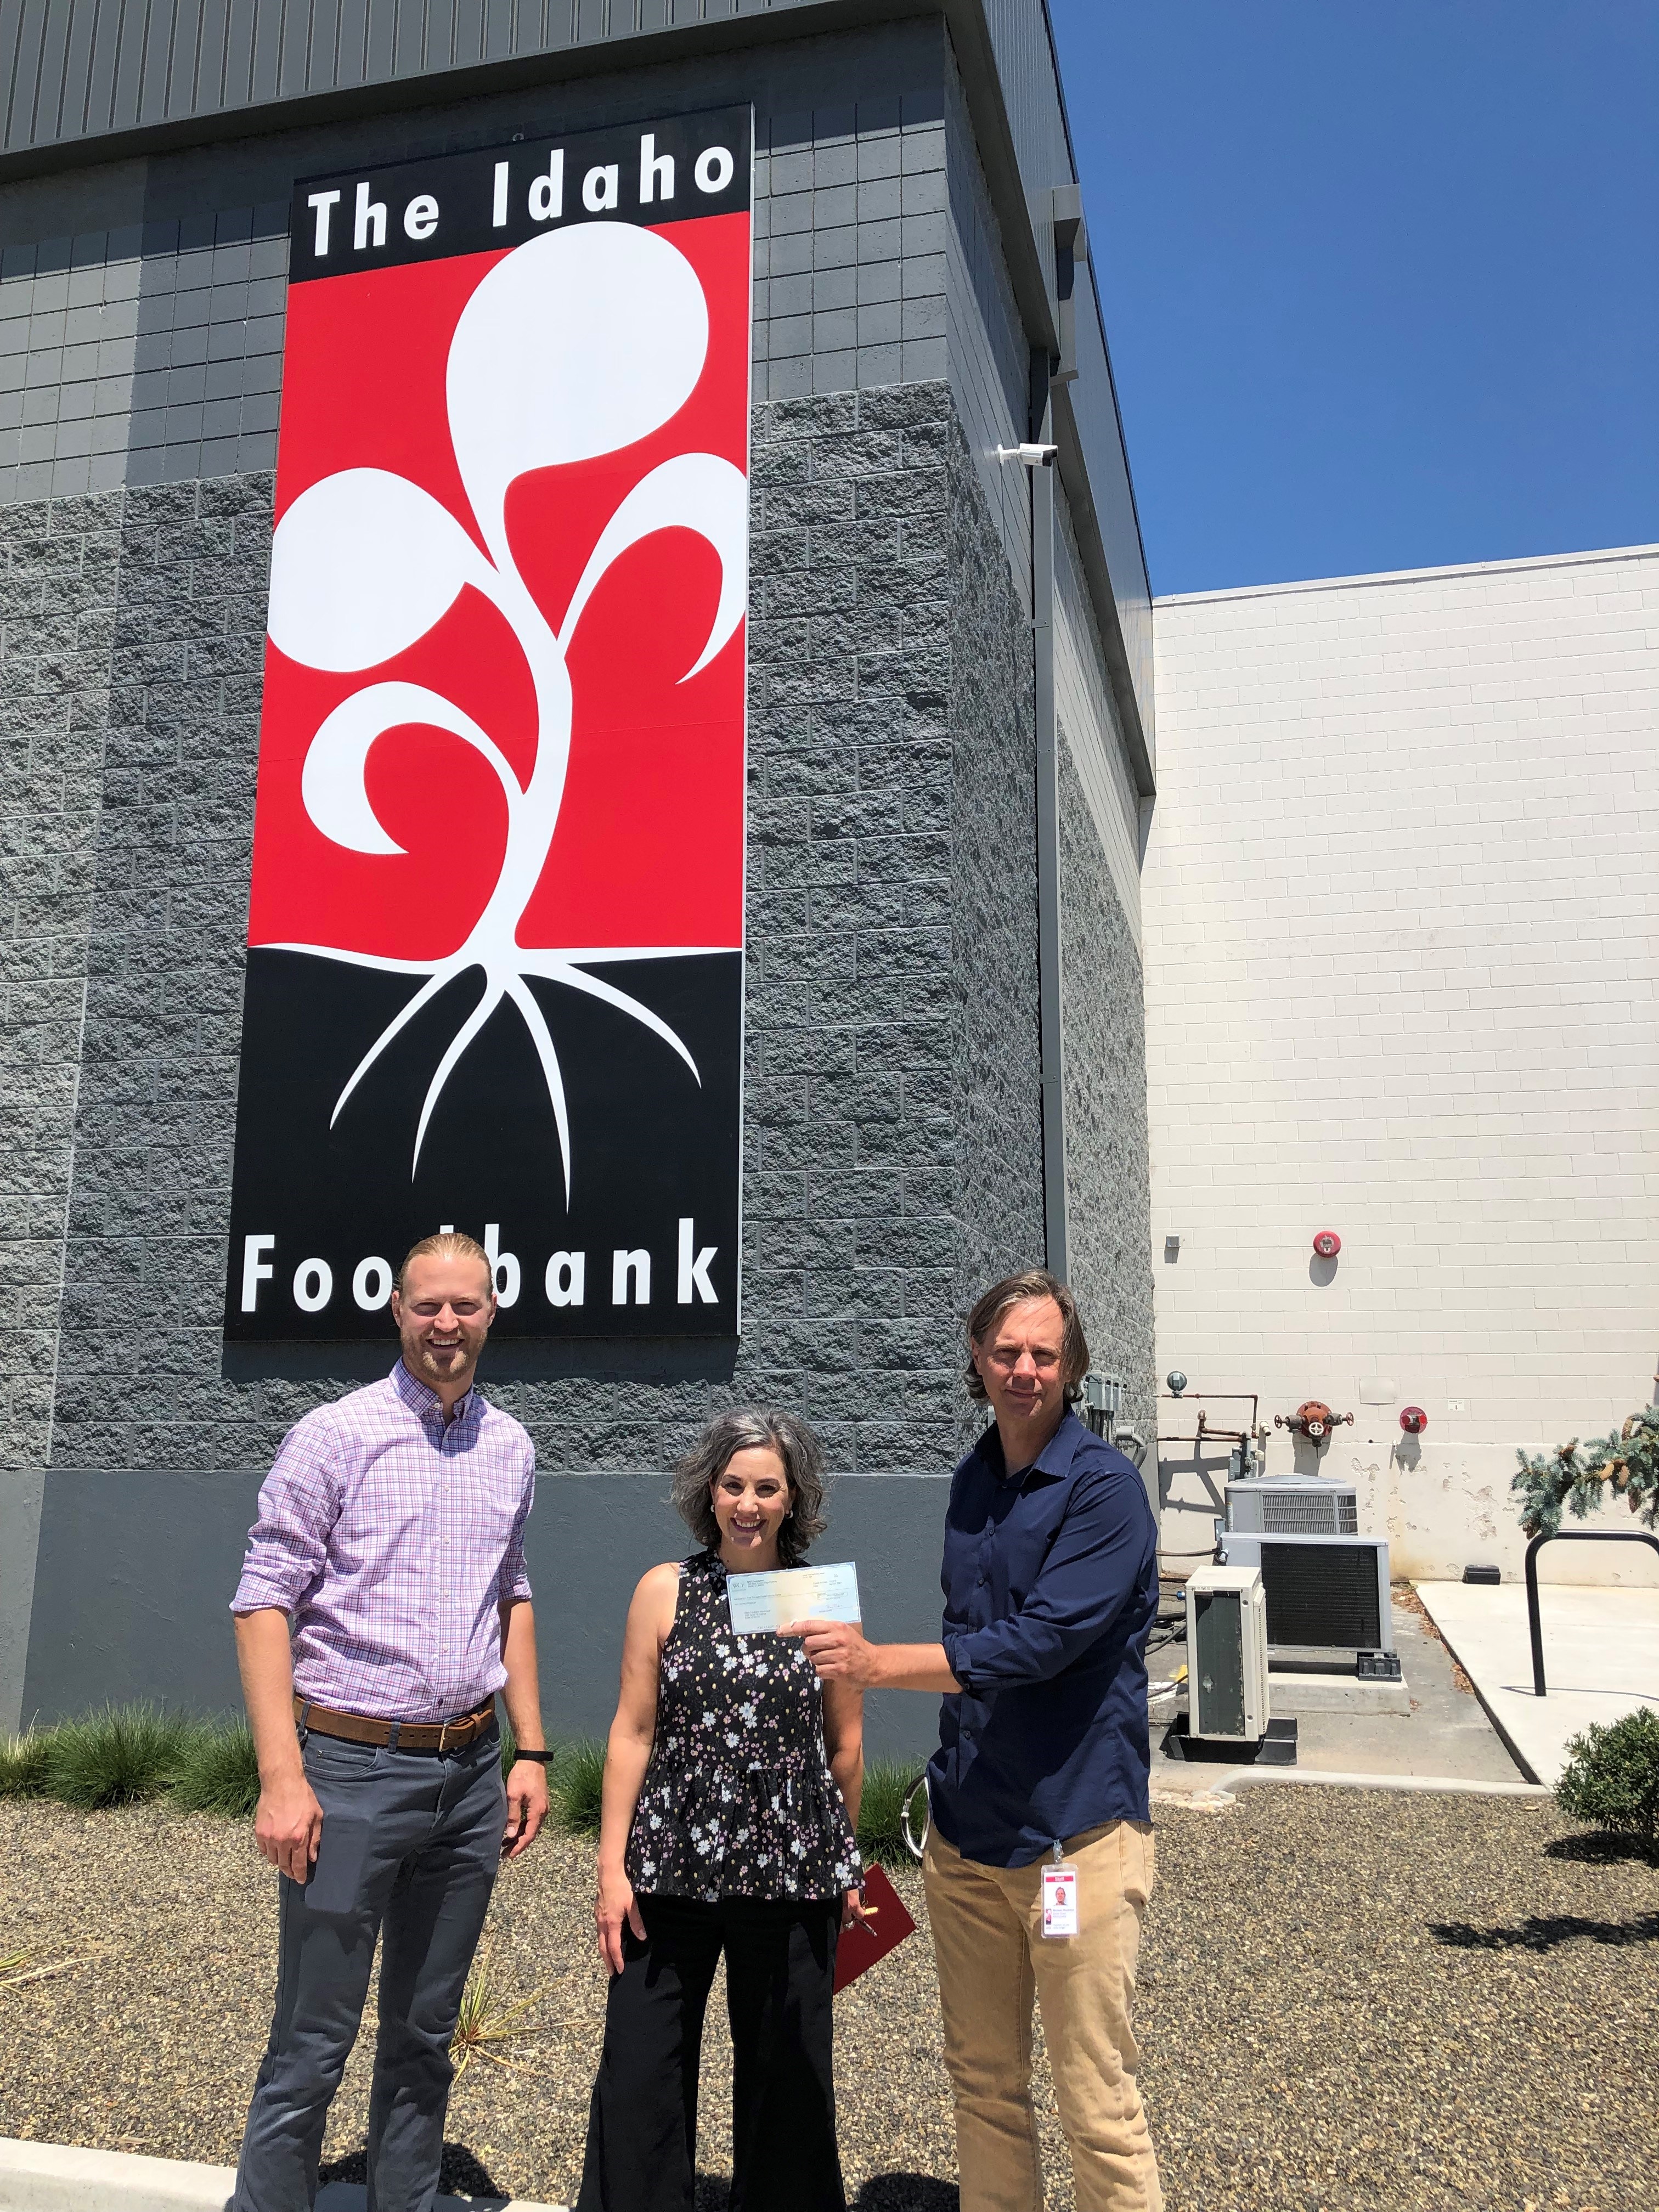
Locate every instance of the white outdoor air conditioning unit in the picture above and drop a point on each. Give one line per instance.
(1227, 1654)
(1293, 1505)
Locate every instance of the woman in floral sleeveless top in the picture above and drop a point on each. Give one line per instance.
(732, 1788)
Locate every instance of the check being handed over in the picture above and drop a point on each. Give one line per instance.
(771, 1602)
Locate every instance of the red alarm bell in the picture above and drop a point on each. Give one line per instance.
(1413, 1421)
(1328, 1244)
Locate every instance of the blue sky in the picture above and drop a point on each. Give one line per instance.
(1381, 281)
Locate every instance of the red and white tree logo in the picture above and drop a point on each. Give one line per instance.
(502, 741)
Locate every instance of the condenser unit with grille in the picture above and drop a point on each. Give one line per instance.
(1293, 1505)
(1226, 1654)
(1324, 1593)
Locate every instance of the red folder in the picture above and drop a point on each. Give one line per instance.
(859, 1947)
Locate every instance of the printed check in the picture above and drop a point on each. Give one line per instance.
(763, 1602)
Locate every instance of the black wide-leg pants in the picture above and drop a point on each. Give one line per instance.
(642, 2124)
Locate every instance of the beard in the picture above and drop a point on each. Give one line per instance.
(433, 1368)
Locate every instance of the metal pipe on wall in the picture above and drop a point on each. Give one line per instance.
(1050, 1009)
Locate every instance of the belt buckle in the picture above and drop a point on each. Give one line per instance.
(443, 1731)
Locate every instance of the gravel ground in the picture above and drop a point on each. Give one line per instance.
(1351, 2002)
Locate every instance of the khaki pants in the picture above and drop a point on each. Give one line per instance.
(993, 1960)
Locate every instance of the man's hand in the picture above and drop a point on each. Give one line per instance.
(288, 1825)
(838, 1651)
(527, 1806)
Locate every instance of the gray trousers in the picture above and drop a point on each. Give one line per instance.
(410, 1847)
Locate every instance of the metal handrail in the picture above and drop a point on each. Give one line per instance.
(1565, 1536)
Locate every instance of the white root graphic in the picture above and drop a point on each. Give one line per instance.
(577, 344)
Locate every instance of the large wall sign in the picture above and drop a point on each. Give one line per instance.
(494, 972)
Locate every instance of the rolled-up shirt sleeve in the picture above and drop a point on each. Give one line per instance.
(1092, 1569)
(299, 1504)
(514, 1586)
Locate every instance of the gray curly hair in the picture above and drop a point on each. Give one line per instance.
(749, 1428)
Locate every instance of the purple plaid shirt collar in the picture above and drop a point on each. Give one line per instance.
(421, 1399)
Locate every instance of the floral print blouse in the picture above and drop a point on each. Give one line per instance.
(738, 1799)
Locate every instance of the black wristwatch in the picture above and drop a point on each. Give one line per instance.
(540, 1758)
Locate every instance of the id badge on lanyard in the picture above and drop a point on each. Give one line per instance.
(1058, 1897)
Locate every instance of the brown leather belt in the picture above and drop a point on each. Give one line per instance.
(395, 1736)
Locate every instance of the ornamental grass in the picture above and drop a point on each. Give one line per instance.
(218, 1772)
(121, 1755)
(887, 1783)
(25, 1763)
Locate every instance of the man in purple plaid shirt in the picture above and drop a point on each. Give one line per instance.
(383, 1604)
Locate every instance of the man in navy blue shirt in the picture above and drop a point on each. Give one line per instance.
(1050, 1580)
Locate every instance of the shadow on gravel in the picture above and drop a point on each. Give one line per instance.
(882, 2192)
(1546, 1935)
(1596, 1848)
(461, 2174)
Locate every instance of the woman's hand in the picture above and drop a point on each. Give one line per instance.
(614, 1905)
(855, 1913)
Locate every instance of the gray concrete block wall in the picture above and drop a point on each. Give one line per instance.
(1108, 1180)
(886, 1173)
(58, 571)
(996, 1073)
(165, 951)
(892, 1142)
(849, 1221)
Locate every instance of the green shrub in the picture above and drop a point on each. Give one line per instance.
(23, 1764)
(881, 1834)
(119, 1756)
(1612, 1776)
(577, 1778)
(218, 1771)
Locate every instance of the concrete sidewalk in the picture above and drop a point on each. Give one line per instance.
(61, 2178)
(1600, 1659)
(1421, 1732)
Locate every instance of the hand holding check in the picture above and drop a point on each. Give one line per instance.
(837, 1649)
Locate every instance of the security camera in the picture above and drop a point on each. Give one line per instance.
(1030, 456)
